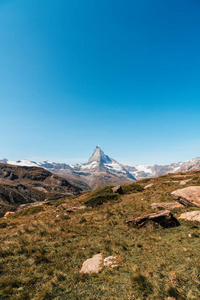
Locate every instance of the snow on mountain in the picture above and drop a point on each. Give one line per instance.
(23, 162)
(102, 170)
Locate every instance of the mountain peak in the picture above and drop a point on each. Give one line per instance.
(99, 156)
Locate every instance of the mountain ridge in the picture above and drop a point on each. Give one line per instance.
(102, 170)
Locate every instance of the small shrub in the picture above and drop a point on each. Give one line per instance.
(142, 285)
(30, 211)
(3, 224)
(58, 202)
(132, 188)
(173, 292)
(100, 196)
(145, 180)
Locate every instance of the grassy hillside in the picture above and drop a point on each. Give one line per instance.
(42, 249)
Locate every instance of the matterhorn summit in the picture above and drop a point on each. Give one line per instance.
(99, 156)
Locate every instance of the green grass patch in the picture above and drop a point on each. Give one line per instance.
(100, 196)
(29, 211)
(132, 188)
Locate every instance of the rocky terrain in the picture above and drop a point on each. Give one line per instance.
(20, 185)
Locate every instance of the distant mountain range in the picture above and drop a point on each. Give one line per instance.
(101, 170)
(21, 185)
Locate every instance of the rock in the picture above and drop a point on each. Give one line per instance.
(70, 211)
(149, 185)
(165, 218)
(167, 205)
(180, 176)
(111, 262)
(48, 203)
(188, 196)
(191, 216)
(117, 189)
(93, 265)
(184, 182)
(79, 207)
(8, 213)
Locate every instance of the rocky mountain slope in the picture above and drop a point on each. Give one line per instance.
(20, 185)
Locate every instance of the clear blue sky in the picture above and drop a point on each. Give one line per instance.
(121, 74)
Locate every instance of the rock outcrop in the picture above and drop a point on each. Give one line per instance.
(191, 216)
(188, 196)
(117, 189)
(164, 218)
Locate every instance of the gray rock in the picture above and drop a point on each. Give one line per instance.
(93, 265)
(188, 196)
(165, 218)
(149, 185)
(184, 182)
(117, 189)
(191, 216)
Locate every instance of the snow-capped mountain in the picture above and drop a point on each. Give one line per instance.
(142, 171)
(101, 170)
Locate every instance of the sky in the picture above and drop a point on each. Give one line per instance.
(124, 75)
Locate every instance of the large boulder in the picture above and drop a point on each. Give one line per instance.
(93, 265)
(165, 218)
(188, 196)
(191, 216)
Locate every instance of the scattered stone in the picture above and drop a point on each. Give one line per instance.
(167, 205)
(79, 207)
(191, 216)
(149, 185)
(180, 176)
(117, 189)
(70, 211)
(165, 218)
(184, 182)
(8, 213)
(93, 265)
(48, 203)
(111, 262)
(188, 196)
